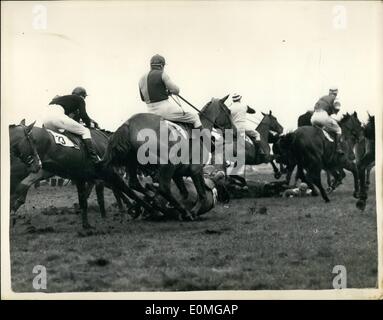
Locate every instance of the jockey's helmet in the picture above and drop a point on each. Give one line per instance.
(79, 91)
(333, 90)
(303, 187)
(236, 97)
(157, 60)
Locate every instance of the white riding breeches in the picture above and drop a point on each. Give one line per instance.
(322, 119)
(56, 119)
(172, 112)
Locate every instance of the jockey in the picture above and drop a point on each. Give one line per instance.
(238, 113)
(60, 113)
(323, 109)
(156, 87)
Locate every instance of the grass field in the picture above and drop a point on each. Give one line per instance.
(293, 245)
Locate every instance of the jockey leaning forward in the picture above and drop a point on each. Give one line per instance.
(155, 88)
(60, 113)
(323, 109)
(239, 112)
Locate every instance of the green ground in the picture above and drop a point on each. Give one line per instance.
(295, 245)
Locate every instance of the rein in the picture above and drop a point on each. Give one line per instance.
(206, 117)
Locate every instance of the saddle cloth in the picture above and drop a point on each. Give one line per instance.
(71, 140)
(66, 139)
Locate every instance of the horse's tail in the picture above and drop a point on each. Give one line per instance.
(118, 147)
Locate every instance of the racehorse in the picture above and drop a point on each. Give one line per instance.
(313, 152)
(127, 142)
(269, 123)
(69, 163)
(365, 159)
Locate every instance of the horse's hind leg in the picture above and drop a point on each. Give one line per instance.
(100, 198)
(166, 175)
(83, 202)
(314, 175)
(179, 181)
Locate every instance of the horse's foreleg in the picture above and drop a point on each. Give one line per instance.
(277, 173)
(351, 166)
(314, 175)
(179, 181)
(199, 184)
(100, 198)
(166, 175)
(20, 194)
(83, 202)
(362, 165)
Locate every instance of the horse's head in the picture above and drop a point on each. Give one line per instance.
(22, 145)
(218, 113)
(351, 127)
(369, 128)
(272, 123)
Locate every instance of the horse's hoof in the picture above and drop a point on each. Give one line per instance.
(361, 204)
(87, 226)
(329, 189)
(277, 175)
(327, 200)
(355, 195)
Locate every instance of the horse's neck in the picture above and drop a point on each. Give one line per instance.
(263, 130)
(42, 139)
(207, 124)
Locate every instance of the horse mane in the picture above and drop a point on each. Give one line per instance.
(12, 126)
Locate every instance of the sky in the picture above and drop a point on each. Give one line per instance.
(280, 56)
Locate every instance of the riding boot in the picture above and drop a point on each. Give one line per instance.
(337, 144)
(91, 151)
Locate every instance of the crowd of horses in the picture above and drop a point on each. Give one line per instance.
(35, 156)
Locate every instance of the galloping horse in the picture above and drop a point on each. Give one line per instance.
(365, 159)
(313, 152)
(268, 123)
(125, 145)
(68, 163)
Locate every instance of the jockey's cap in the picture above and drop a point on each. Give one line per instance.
(157, 60)
(303, 187)
(79, 91)
(333, 89)
(236, 97)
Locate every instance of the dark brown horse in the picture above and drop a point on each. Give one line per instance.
(365, 159)
(144, 130)
(69, 163)
(313, 152)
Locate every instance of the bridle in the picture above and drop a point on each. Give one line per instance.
(27, 159)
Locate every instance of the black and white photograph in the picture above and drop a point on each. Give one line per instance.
(191, 149)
